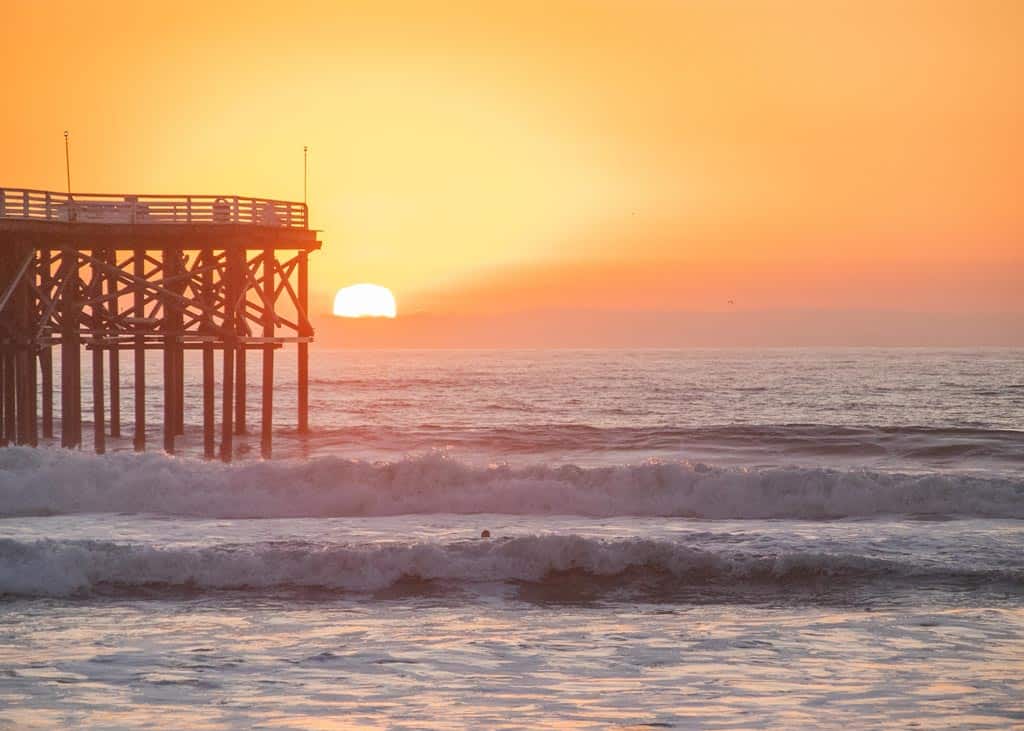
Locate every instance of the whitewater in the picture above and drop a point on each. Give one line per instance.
(519, 539)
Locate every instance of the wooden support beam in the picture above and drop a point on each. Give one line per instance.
(31, 372)
(240, 389)
(176, 316)
(46, 371)
(170, 425)
(3, 400)
(45, 351)
(3, 422)
(70, 359)
(208, 403)
(23, 403)
(179, 385)
(76, 400)
(139, 303)
(25, 361)
(115, 355)
(227, 430)
(303, 348)
(236, 306)
(209, 407)
(15, 277)
(217, 344)
(267, 420)
(169, 420)
(152, 291)
(10, 425)
(99, 434)
(31, 390)
(115, 392)
(232, 291)
(155, 237)
(252, 342)
(98, 428)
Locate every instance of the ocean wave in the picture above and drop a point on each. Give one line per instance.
(912, 443)
(57, 482)
(76, 567)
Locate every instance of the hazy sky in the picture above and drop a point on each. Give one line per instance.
(603, 154)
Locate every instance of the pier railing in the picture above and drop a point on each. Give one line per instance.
(45, 205)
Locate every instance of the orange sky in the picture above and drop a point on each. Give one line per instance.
(595, 154)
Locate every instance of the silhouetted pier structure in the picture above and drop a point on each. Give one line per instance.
(142, 272)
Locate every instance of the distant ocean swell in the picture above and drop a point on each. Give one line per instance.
(56, 482)
(908, 442)
(70, 567)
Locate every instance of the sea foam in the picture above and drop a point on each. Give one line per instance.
(59, 482)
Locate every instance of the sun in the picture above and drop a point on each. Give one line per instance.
(364, 300)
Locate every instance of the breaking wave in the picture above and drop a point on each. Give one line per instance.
(77, 567)
(58, 482)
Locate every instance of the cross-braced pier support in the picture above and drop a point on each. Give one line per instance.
(177, 275)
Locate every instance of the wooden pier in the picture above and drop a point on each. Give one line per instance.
(112, 273)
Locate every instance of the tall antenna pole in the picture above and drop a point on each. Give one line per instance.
(67, 161)
(305, 172)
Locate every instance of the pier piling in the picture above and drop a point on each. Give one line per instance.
(139, 312)
(114, 351)
(10, 421)
(99, 435)
(70, 356)
(227, 410)
(46, 377)
(302, 348)
(267, 420)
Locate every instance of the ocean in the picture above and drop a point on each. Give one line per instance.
(708, 539)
